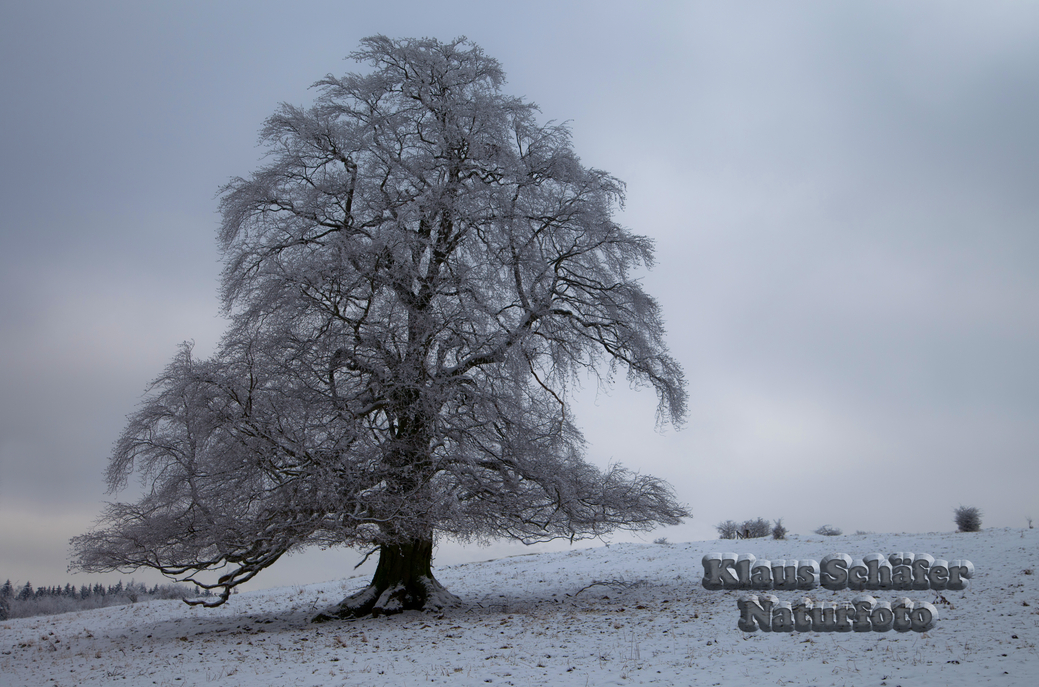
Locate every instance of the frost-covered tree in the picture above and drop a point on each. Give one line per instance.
(6, 594)
(416, 278)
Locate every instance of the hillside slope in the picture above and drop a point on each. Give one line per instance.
(540, 620)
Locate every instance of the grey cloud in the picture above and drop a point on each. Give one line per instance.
(843, 199)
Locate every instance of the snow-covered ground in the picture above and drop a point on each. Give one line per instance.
(534, 620)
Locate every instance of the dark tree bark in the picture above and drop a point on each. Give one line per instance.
(403, 581)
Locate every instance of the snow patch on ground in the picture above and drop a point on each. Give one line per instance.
(621, 615)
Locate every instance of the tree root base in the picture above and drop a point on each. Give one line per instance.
(426, 594)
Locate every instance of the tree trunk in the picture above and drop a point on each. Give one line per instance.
(403, 581)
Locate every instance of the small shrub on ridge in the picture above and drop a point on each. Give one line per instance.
(968, 518)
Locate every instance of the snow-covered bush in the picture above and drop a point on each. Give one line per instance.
(779, 532)
(968, 518)
(829, 531)
(727, 529)
(748, 529)
(753, 529)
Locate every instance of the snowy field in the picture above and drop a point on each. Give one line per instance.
(534, 620)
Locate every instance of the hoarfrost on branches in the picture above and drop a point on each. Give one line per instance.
(416, 277)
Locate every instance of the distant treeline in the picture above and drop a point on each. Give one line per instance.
(24, 601)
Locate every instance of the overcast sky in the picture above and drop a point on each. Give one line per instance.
(844, 198)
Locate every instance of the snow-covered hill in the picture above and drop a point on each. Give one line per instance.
(541, 620)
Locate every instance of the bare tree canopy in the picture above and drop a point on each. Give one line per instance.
(416, 277)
